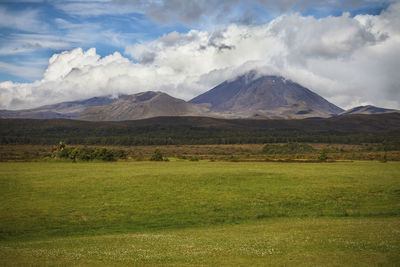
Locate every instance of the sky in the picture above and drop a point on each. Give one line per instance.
(347, 51)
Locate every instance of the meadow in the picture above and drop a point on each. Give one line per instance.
(199, 213)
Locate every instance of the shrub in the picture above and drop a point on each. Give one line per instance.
(87, 154)
(104, 154)
(121, 154)
(157, 155)
(60, 146)
(289, 148)
(73, 154)
(384, 158)
(323, 155)
(64, 153)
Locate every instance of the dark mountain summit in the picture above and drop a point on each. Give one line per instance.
(266, 96)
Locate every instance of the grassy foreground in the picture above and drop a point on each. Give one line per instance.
(277, 242)
(218, 213)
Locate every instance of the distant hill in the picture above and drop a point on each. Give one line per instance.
(267, 96)
(67, 110)
(245, 97)
(369, 110)
(141, 106)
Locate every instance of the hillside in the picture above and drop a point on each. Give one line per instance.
(69, 110)
(369, 110)
(141, 106)
(266, 96)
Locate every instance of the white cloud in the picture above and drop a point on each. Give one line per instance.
(349, 61)
(32, 72)
(73, 35)
(27, 43)
(244, 11)
(27, 20)
(22, 1)
(93, 8)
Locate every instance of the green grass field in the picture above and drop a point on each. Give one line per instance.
(200, 213)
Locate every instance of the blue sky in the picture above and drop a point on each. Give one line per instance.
(184, 47)
(42, 28)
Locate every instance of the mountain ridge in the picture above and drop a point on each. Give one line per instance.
(67, 110)
(141, 106)
(246, 96)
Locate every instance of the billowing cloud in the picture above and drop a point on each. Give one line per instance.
(350, 61)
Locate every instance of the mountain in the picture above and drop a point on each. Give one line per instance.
(369, 110)
(266, 96)
(247, 96)
(68, 110)
(142, 105)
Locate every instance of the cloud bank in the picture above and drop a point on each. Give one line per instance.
(348, 60)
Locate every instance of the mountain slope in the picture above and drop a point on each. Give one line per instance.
(140, 106)
(68, 110)
(369, 110)
(267, 96)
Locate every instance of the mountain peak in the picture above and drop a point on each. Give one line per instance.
(143, 96)
(251, 95)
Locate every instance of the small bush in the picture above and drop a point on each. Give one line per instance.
(74, 154)
(64, 153)
(384, 158)
(289, 148)
(157, 155)
(323, 155)
(121, 154)
(104, 154)
(87, 154)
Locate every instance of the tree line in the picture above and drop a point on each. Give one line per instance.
(388, 141)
